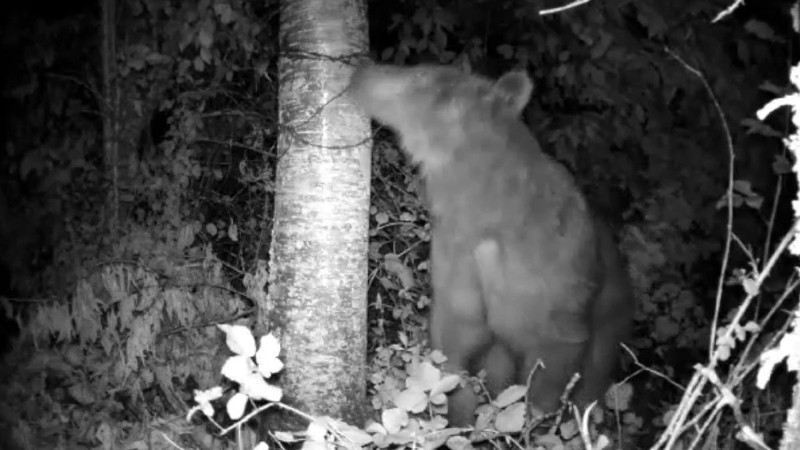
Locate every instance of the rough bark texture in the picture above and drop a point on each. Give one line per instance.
(317, 303)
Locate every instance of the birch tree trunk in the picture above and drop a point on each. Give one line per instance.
(317, 300)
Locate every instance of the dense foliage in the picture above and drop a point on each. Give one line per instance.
(118, 294)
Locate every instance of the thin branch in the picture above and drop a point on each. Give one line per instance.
(728, 11)
(566, 7)
(729, 196)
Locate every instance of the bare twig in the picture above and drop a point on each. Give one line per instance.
(728, 11)
(566, 7)
(729, 195)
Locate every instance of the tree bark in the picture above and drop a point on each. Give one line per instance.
(317, 304)
(109, 109)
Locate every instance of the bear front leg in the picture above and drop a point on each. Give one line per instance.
(458, 321)
(464, 340)
(501, 366)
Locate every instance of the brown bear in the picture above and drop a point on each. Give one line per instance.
(522, 271)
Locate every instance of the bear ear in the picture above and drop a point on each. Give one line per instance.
(515, 89)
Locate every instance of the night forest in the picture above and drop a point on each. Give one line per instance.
(206, 243)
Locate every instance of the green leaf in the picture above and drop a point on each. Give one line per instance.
(619, 396)
(510, 395)
(511, 419)
(224, 12)
(205, 36)
(760, 30)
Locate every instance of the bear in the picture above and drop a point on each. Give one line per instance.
(522, 269)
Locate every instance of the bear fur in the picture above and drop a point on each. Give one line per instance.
(522, 270)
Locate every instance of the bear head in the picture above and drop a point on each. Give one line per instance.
(435, 110)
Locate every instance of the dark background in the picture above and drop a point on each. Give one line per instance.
(636, 127)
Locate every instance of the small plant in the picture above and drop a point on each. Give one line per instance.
(412, 403)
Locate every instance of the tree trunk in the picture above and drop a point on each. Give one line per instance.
(317, 303)
(109, 108)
